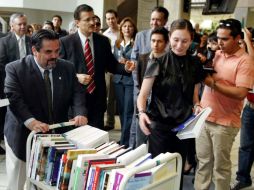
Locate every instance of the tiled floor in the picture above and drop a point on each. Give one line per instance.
(115, 135)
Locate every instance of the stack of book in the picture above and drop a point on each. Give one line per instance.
(73, 161)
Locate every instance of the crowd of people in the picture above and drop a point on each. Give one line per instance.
(155, 79)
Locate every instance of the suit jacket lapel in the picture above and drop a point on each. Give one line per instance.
(36, 76)
(14, 45)
(95, 48)
(79, 53)
(58, 87)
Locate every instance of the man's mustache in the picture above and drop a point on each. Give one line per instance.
(53, 59)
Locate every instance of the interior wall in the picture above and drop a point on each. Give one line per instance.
(250, 20)
(197, 17)
(39, 16)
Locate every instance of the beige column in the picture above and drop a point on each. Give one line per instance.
(176, 9)
(144, 13)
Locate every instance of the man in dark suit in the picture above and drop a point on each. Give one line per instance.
(2, 34)
(2, 111)
(13, 46)
(73, 48)
(32, 105)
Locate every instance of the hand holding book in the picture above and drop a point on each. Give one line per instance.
(191, 128)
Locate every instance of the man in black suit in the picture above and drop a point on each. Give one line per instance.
(73, 49)
(2, 113)
(2, 34)
(13, 46)
(32, 105)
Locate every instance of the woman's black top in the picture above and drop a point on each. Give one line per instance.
(173, 88)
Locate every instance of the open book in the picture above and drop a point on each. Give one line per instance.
(192, 127)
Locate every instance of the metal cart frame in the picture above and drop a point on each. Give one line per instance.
(170, 183)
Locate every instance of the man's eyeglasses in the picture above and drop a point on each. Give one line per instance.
(89, 19)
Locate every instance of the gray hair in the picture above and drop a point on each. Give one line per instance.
(14, 16)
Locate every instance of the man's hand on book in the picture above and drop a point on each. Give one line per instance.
(79, 120)
(144, 122)
(38, 126)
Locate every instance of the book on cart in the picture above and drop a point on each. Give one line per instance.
(132, 155)
(90, 174)
(81, 168)
(66, 170)
(191, 128)
(61, 164)
(87, 136)
(164, 170)
(53, 163)
(99, 171)
(39, 148)
(137, 181)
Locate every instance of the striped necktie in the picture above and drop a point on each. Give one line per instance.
(90, 67)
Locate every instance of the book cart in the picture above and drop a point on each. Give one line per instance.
(171, 182)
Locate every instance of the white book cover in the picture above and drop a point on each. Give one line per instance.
(132, 155)
(104, 145)
(87, 136)
(109, 148)
(38, 145)
(192, 127)
(140, 160)
(120, 152)
(72, 175)
(4, 102)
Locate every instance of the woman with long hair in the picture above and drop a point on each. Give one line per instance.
(124, 84)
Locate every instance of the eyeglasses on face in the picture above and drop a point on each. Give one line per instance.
(89, 19)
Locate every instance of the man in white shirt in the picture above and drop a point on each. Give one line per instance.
(113, 34)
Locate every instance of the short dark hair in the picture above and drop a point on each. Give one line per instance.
(161, 30)
(212, 37)
(38, 37)
(233, 25)
(112, 11)
(48, 22)
(163, 10)
(58, 16)
(81, 8)
(97, 17)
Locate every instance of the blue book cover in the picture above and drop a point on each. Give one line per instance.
(183, 125)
